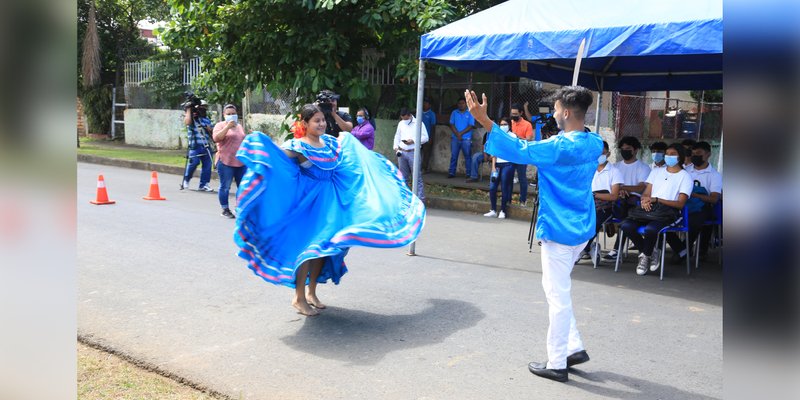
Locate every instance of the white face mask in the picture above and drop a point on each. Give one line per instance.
(504, 128)
(232, 117)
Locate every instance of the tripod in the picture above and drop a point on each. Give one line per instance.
(534, 214)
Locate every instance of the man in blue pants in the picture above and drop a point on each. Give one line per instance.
(566, 220)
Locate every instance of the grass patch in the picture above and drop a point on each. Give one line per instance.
(167, 157)
(105, 376)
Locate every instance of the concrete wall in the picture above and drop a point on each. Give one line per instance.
(162, 129)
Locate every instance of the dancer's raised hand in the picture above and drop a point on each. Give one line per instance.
(478, 110)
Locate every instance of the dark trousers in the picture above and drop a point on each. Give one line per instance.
(505, 180)
(523, 181)
(621, 211)
(602, 215)
(696, 220)
(645, 243)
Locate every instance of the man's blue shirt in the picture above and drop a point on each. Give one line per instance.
(429, 119)
(566, 165)
(462, 120)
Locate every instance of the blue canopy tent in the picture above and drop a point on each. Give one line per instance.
(631, 45)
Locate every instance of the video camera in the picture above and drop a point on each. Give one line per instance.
(197, 105)
(325, 100)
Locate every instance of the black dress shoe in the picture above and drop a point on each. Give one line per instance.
(577, 358)
(540, 369)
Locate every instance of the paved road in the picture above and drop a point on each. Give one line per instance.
(160, 281)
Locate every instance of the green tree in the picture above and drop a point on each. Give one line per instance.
(305, 45)
(709, 96)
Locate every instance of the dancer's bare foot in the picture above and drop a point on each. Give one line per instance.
(314, 301)
(303, 308)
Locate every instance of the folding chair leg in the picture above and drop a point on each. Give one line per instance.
(688, 256)
(663, 251)
(697, 253)
(619, 252)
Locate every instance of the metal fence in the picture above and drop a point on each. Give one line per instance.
(140, 71)
(661, 118)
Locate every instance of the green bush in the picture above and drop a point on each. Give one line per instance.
(97, 108)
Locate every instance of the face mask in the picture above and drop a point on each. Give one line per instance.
(627, 154)
(671, 160)
(602, 159)
(504, 128)
(658, 157)
(232, 117)
(360, 120)
(697, 161)
(515, 118)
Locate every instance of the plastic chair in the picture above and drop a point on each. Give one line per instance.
(716, 223)
(596, 253)
(681, 225)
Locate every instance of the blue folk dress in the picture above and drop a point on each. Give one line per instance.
(344, 195)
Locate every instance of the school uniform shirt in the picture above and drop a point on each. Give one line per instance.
(668, 185)
(606, 178)
(708, 177)
(633, 174)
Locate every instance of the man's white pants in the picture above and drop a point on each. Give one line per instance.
(563, 338)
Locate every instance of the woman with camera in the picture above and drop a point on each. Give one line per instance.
(228, 135)
(502, 175)
(303, 205)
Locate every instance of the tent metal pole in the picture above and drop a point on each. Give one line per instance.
(417, 139)
(597, 111)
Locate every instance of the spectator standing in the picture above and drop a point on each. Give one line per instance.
(461, 124)
(404, 147)
(524, 130)
(364, 131)
(198, 131)
(502, 176)
(429, 119)
(228, 135)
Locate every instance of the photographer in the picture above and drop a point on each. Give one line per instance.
(337, 121)
(198, 130)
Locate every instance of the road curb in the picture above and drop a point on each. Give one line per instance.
(442, 203)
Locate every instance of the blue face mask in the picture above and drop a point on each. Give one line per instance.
(360, 120)
(658, 157)
(671, 160)
(602, 159)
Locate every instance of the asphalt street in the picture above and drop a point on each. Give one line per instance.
(161, 282)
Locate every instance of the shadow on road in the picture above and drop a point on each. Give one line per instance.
(364, 338)
(638, 388)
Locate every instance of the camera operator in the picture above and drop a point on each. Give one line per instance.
(198, 129)
(337, 121)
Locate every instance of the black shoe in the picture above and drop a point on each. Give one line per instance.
(450, 176)
(577, 358)
(540, 369)
(227, 213)
(677, 259)
(470, 180)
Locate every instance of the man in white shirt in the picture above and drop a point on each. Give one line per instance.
(404, 147)
(657, 151)
(700, 205)
(634, 173)
(687, 147)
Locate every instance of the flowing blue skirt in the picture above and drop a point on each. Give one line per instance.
(344, 195)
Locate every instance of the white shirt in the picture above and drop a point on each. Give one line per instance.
(606, 178)
(688, 167)
(633, 174)
(668, 185)
(408, 131)
(709, 178)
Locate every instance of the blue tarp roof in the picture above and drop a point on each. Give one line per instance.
(631, 45)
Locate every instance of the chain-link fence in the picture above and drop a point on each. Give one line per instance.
(652, 118)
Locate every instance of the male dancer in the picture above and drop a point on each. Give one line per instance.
(566, 221)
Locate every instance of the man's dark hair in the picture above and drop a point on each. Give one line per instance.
(630, 141)
(702, 145)
(576, 98)
(688, 142)
(681, 152)
(404, 111)
(464, 99)
(605, 145)
(515, 106)
(658, 146)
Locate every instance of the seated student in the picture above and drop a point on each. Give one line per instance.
(666, 193)
(633, 172)
(657, 150)
(503, 176)
(706, 192)
(478, 159)
(687, 149)
(605, 187)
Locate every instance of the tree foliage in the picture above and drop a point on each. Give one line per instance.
(709, 96)
(305, 45)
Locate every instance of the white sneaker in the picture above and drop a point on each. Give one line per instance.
(205, 188)
(502, 215)
(516, 180)
(185, 185)
(644, 263)
(655, 260)
(491, 213)
(610, 256)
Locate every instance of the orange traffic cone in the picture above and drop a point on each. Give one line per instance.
(102, 194)
(155, 194)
